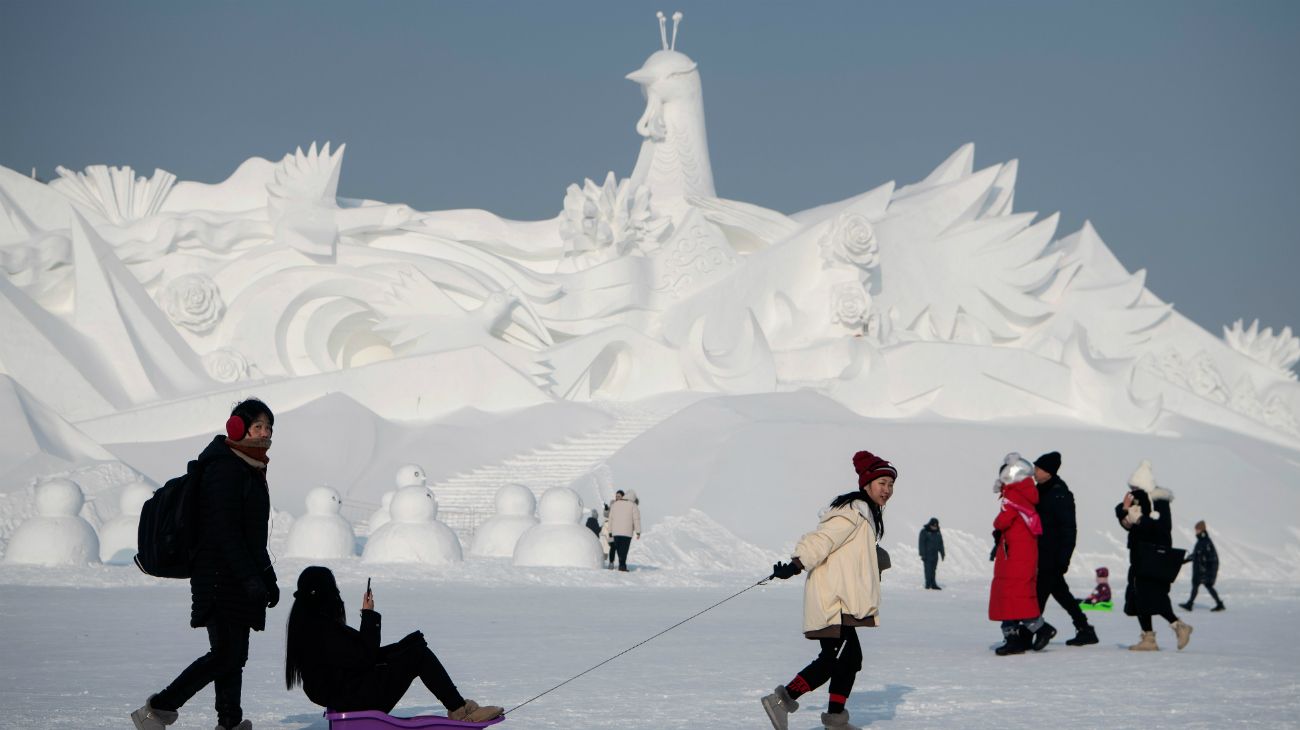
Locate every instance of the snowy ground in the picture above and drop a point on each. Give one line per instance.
(83, 646)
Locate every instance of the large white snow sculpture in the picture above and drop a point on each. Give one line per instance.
(56, 535)
(408, 475)
(118, 538)
(322, 533)
(381, 516)
(131, 302)
(413, 535)
(560, 540)
(498, 536)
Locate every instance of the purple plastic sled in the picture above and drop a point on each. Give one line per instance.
(376, 720)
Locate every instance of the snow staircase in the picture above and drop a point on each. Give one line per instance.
(465, 500)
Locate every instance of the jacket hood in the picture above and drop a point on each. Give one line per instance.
(1024, 491)
(629, 495)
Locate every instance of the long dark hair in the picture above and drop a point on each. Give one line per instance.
(317, 598)
(877, 514)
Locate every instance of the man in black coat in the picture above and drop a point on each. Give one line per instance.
(1056, 545)
(930, 545)
(232, 582)
(1205, 567)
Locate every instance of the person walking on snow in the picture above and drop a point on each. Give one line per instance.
(1013, 595)
(1145, 514)
(623, 524)
(1056, 546)
(930, 545)
(232, 582)
(1205, 568)
(345, 669)
(843, 560)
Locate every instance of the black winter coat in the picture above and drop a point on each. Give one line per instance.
(234, 515)
(1056, 510)
(930, 545)
(340, 660)
(1146, 595)
(1205, 561)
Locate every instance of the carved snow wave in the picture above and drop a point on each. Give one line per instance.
(1280, 352)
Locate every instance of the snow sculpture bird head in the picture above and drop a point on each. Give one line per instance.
(674, 159)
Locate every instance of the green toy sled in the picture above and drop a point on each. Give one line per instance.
(1098, 606)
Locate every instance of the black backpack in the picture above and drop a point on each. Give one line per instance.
(167, 536)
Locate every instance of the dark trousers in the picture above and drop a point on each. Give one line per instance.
(1052, 583)
(223, 666)
(1209, 587)
(930, 565)
(840, 661)
(620, 547)
(1144, 619)
(399, 664)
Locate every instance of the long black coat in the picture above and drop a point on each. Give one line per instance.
(1205, 561)
(340, 661)
(1060, 531)
(1146, 595)
(234, 515)
(930, 545)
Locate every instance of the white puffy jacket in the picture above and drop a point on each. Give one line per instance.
(843, 572)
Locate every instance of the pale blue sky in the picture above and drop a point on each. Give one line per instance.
(1171, 125)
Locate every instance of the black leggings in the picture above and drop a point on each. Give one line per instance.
(399, 665)
(1144, 619)
(840, 661)
(1209, 587)
(223, 666)
(620, 547)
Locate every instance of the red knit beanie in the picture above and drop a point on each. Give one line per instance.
(869, 467)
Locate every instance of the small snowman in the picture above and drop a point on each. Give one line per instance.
(118, 538)
(413, 535)
(322, 533)
(57, 535)
(560, 541)
(408, 475)
(496, 538)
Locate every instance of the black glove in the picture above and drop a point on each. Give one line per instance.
(256, 589)
(273, 592)
(993, 554)
(786, 571)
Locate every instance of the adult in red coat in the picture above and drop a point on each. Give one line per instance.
(1013, 595)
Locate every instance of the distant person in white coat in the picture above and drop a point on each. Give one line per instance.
(623, 524)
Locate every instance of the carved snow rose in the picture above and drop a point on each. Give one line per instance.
(849, 304)
(192, 301)
(851, 240)
(226, 365)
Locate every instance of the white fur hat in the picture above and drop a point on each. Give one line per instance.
(1143, 478)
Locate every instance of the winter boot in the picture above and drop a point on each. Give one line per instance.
(778, 706)
(1219, 607)
(1186, 606)
(1183, 632)
(1018, 640)
(472, 712)
(1043, 635)
(1083, 636)
(1148, 642)
(837, 721)
(243, 725)
(147, 718)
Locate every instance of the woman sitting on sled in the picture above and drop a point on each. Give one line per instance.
(343, 669)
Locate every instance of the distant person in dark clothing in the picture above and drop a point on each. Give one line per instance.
(930, 545)
(592, 523)
(1056, 545)
(345, 669)
(1100, 594)
(232, 582)
(1205, 567)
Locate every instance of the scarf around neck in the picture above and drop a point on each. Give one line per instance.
(252, 451)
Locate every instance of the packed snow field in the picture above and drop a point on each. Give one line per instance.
(96, 640)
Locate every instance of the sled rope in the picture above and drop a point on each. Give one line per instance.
(634, 646)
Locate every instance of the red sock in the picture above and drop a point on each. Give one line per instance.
(837, 703)
(797, 686)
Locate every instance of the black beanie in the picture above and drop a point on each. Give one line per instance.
(1049, 462)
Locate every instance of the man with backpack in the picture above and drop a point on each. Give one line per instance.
(232, 582)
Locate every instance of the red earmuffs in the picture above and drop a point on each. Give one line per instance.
(235, 428)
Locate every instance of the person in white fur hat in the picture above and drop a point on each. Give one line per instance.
(1145, 514)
